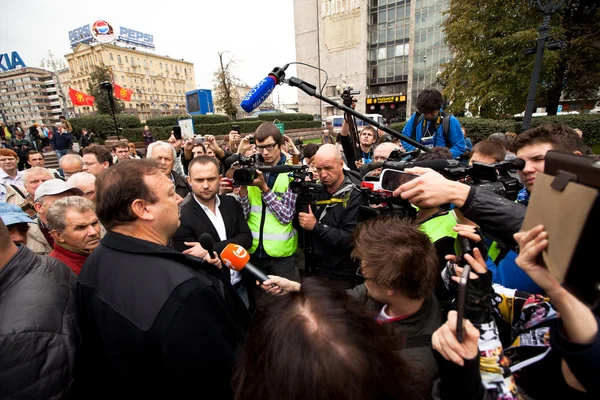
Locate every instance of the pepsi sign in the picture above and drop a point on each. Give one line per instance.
(7, 63)
(80, 35)
(136, 37)
(103, 32)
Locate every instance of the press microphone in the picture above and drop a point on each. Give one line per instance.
(236, 257)
(207, 242)
(263, 89)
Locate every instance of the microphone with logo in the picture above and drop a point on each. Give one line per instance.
(236, 257)
(263, 89)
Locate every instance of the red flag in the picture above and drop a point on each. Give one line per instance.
(122, 93)
(81, 99)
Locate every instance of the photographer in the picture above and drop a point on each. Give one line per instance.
(332, 218)
(431, 127)
(269, 206)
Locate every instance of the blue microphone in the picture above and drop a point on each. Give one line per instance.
(261, 92)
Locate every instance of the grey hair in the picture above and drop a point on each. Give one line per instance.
(58, 210)
(162, 144)
(79, 178)
(35, 171)
(71, 157)
(501, 138)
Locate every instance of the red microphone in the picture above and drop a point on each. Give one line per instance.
(236, 257)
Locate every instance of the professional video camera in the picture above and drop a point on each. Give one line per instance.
(246, 174)
(346, 94)
(494, 177)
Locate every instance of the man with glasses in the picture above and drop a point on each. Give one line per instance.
(96, 159)
(270, 205)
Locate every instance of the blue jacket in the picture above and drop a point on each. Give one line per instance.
(455, 136)
(62, 142)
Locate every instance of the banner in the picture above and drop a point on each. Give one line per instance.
(80, 99)
(122, 93)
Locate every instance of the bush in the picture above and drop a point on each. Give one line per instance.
(198, 119)
(285, 117)
(103, 125)
(479, 128)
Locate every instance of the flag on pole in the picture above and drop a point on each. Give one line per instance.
(122, 93)
(80, 99)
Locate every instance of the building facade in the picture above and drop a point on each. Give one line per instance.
(29, 95)
(158, 82)
(388, 50)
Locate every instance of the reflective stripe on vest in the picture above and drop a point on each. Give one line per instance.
(439, 227)
(278, 240)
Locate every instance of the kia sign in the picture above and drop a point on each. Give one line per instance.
(11, 62)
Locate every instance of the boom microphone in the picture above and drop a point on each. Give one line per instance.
(263, 89)
(236, 257)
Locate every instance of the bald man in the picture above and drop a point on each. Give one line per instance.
(383, 151)
(331, 223)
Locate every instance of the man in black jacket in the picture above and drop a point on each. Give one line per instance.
(332, 219)
(155, 323)
(38, 326)
(206, 212)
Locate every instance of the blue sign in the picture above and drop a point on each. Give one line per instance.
(80, 35)
(7, 63)
(135, 37)
(559, 109)
(199, 102)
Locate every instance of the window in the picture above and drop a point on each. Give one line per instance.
(160, 65)
(126, 59)
(382, 54)
(110, 56)
(119, 58)
(145, 64)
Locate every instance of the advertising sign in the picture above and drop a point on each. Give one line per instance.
(102, 31)
(7, 63)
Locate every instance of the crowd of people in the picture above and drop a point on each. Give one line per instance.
(109, 287)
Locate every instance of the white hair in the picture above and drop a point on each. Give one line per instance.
(35, 171)
(81, 178)
(161, 144)
(71, 157)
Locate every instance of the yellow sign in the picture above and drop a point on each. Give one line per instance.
(387, 99)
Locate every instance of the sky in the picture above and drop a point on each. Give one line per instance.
(258, 34)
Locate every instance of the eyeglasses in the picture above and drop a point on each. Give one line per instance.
(267, 147)
(359, 273)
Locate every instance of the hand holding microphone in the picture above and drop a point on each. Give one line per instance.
(208, 243)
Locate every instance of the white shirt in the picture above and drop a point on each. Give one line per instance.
(8, 180)
(2, 193)
(217, 220)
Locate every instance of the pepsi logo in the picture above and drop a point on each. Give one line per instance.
(103, 32)
(102, 27)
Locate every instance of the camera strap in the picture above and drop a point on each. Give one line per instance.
(341, 196)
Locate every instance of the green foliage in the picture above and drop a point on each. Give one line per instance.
(101, 73)
(285, 117)
(199, 119)
(225, 92)
(103, 125)
(480, 128)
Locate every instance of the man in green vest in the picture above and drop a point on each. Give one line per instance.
(269, 206)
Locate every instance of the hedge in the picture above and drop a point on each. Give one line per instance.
(283, 117)
(163, 132)
(103, 125)
(198, 119)
(479, 128)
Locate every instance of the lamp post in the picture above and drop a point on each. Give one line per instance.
(109, 88)
(547, 9)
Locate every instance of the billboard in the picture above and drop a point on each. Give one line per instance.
(7, 63)
(102, 31)
(199, 102)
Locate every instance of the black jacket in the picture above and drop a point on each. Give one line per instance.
(156, 323)
(194, 223)
(182, 187)
(38, 327)
(498, 217)
(332, 235)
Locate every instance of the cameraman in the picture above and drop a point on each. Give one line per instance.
(427, 126)
(332, 218)
(367, 138)
(269, 206)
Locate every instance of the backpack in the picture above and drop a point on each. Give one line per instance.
(445, 126)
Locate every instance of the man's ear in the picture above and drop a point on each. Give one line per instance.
(57, 236)
(38, 207)
(140, 209)
(578, 153)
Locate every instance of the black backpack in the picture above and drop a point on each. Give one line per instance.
(445, 126)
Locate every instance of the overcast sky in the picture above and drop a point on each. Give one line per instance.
(258, 33)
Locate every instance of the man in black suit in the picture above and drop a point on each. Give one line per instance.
(206, 211)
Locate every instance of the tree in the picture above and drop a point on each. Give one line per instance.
(101, 74)
(489, 71)
(226, 95)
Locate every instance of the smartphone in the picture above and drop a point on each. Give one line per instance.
(199, 140)
(177, 132)
(460, 310)
(235, 128)
(391, 179)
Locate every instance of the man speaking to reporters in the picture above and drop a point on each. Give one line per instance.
(332, 219)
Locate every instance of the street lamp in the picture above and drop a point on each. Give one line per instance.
(547, 9)
(109, 88)
(438, 78)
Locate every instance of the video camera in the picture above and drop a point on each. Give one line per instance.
(346, 94)
(494, 177)
(246, 174)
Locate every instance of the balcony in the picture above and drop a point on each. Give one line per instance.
(49, 82)
(55, 103)
(57, 110)
(53, 96)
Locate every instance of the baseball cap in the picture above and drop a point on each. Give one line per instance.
(55, 186)
(12, 214)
